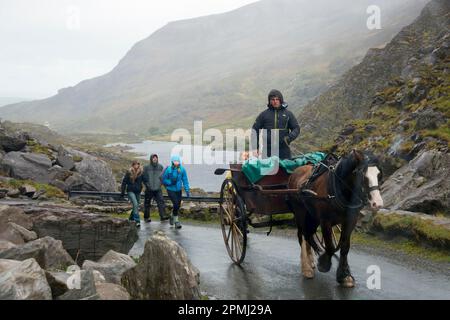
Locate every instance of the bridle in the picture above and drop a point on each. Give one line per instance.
(361, 195)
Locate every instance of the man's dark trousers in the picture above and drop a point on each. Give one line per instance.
(158, 196)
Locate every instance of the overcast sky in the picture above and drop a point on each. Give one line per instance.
(51, 44)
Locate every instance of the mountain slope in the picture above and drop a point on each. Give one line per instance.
(219, 68)
(396, 102)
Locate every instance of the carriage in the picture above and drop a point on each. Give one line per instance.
(240, 198)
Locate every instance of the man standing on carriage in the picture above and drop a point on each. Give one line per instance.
(276, 117)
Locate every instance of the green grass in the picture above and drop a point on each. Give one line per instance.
(417, 229)
(50, 191)
(409, 247)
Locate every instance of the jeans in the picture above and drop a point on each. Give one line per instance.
(175, 197)
(135, 199)
(158, 196)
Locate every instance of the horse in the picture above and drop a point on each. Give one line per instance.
(334, 197)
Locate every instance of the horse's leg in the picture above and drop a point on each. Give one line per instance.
(306, 264)
(307, 260)
(343, 274)
(324, 263)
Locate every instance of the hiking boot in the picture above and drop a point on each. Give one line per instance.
(178, 225)
(171, 220)
(138, 224)
(147, 220)
(164, 218)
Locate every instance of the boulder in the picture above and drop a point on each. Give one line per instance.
(65, 162)
(16, 215)
(429, 119)
(4, 244)
(27, 190)
(112, 265)
(27, 235)
(164, 272)
(84, 235)
(48, 252)
(11, 235)
(13, 193)
(24, 166)
(85, 287)
(23, 280)
(57, 281)
(111, 291)
(9, 143)
(98, 173)
(422, 185)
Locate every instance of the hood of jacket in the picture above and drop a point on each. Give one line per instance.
(279, 95)
(175, 157)
(157, 158)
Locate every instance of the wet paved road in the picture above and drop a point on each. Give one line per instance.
(271, 270)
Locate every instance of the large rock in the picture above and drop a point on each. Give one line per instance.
(84, 235)
(9, 143)
(86, 291)
(164, 272)
(48, 252)
(26, 235)
(112, 265)
(23, 280)
(15, 215)
(111, 291)
(4, 244)
(65, 162)
(24, 166)
(98, 173)
(14, 224)
(420, 186)
(57, 281)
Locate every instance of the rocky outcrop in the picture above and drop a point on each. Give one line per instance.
(420, 227)
(48, 252)
(11, 142)
(26, 235)
(97, 173)
(21, 165)
(84, 288)
(89, 286)
(112, 265)
(15, 225)
(84, 235)
(164, 272)
(23, 280)
(111, 291)
(422, 185)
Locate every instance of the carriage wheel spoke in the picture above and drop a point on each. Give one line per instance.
(229, 232)
(239, 230)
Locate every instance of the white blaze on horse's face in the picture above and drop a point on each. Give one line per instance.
(376, 202)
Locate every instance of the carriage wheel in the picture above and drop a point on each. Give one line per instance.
(336, 234)
(233, 220)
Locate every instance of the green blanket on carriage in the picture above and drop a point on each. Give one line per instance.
(255, 169)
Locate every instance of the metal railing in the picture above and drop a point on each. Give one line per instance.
(117, 195)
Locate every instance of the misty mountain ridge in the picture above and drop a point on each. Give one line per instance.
(219, 68)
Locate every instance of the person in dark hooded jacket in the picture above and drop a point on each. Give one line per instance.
(152, 182)
(276, 117)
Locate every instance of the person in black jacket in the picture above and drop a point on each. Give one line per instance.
(132, 185)
(276, 117)
(152, 182)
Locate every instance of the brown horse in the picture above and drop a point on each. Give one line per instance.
(334, 197)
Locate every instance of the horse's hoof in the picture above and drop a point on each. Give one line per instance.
(324, 263)
(348, 282)
(308, 274)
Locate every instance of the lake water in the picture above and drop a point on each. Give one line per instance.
(200, 162)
